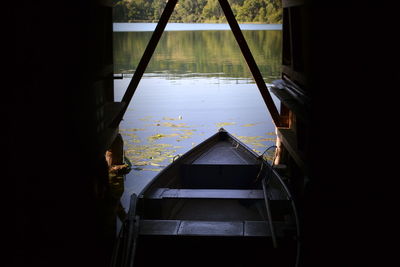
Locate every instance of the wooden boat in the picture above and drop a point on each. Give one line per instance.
(220, 203)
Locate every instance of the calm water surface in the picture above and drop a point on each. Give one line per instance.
(140, 27)
(196, 82)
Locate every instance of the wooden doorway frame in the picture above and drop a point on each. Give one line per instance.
(151, 46)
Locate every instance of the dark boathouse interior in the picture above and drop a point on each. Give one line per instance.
(57, 125)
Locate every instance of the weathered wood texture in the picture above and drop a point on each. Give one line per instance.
(289, 140)
(207, 193)
(292, 103)
(115, 154)
(210, 228)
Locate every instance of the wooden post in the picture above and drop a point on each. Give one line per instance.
(115, 154)
(278, 151)
(250, 62)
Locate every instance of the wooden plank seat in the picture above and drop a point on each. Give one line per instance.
(160, 193)
(168, 193)
(210, 228)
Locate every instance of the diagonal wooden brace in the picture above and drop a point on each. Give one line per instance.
(230, 17)
(144, 61)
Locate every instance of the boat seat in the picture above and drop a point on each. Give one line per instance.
(160, 193)
(221, 176)
(222, 166)
(210, 228)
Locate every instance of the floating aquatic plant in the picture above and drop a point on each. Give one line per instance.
(249, 124)
(170, 124)
(145, 151)
(131, 130)
(152, 138)
(132, 138)
(251, 140)
(255, 141)
(172, 119)
(153, 155)
(147, 118)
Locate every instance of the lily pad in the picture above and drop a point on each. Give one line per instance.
(267, 140)
(147, 118)
(159, 136)
(255, 141)
(172, 119)
(249, 124)
(151, 154)
(170, 124)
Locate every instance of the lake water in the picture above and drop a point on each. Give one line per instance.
(145, 27)
(197, 81)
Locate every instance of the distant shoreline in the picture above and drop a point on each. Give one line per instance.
(178, 26)
(205, 22)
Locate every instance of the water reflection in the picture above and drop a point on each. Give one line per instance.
(187, 54)
(196, 82)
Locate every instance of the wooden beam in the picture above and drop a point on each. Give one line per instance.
(294, 75)
(294, 104)
(288, 138)
(144, 61)
(250, 62)
(206, 194)
(211, 228)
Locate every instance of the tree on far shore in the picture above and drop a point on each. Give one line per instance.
(190, 11)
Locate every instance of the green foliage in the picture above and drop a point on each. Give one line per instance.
(189, 11)
(201, 53)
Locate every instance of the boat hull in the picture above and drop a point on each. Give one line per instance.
(210, 206)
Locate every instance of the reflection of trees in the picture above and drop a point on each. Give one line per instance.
(200, 52)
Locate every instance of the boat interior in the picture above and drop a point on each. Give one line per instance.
(216, 188)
